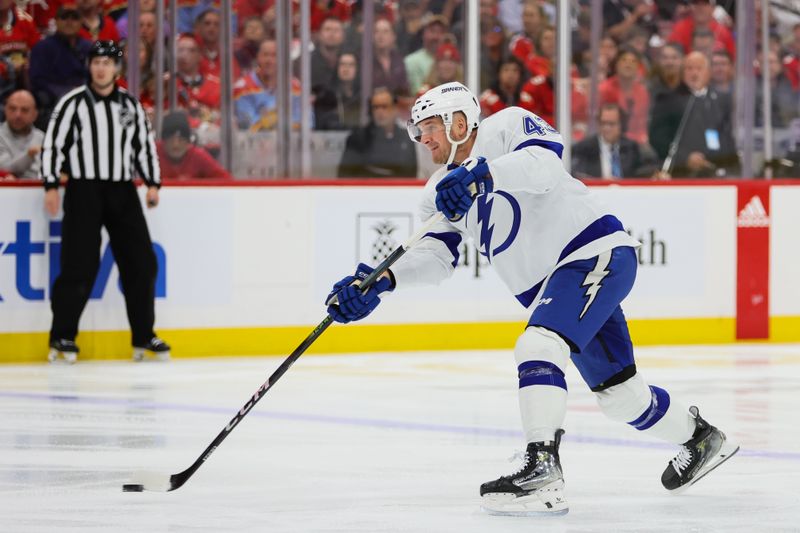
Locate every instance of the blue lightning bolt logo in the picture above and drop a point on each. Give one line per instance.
(593, 279)
(484, 216)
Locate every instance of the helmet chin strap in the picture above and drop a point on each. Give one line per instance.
(455, 144)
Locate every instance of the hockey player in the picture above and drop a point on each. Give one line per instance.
(566, 258)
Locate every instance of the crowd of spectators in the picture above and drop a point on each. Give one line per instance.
(665, 74)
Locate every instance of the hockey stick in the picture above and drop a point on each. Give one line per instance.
(666, 167)
(156, 481)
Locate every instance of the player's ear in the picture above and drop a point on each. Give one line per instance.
(460, 121)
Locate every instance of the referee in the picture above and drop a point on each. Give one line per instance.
(98, 136)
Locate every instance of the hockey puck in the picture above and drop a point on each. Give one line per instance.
(132, 488)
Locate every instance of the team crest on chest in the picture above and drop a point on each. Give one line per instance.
(498, 222)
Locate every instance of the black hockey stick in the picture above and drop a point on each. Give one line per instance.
(156, 481)
(666, 167)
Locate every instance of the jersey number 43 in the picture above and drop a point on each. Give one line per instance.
(535, 125)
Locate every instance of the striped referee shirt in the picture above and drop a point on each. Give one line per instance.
(93, 137)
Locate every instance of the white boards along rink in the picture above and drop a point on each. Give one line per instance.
(254, 264)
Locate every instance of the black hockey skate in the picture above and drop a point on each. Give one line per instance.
(536, 489)
(64, 348)
(155, 347)
(706, 450)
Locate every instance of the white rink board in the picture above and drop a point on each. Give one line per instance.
(688, 254)
(266, 256)
(784, 261)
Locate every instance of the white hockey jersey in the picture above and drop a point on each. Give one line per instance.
(536, 219)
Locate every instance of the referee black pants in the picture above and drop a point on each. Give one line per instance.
(89, 205)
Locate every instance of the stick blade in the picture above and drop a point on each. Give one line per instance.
(151, 481)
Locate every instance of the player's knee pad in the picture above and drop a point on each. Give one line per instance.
(634, 402)
(541, 357)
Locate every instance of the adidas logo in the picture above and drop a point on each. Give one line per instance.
(753, 215)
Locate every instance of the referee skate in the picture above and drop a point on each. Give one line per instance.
(155, 349)
(63, 350)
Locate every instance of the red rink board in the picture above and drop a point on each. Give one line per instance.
(752, 272)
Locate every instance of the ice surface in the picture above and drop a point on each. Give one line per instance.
(379, 443)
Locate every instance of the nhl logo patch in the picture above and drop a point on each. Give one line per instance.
(126, 118)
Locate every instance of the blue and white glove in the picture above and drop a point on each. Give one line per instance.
(456, 192)
(351, 303)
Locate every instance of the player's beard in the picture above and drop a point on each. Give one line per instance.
(442, 155)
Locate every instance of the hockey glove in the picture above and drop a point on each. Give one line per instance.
(353, 304)
(457, 190)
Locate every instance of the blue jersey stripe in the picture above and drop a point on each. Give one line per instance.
(526, 298)
(605, 225)
(451, 239)
(601, 227)
(558, 148)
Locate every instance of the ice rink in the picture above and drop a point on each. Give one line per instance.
(381, 442)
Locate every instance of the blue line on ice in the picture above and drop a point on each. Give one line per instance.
(363, 422)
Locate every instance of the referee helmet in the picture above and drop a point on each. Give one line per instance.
(105, 49)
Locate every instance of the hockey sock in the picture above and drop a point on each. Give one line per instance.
(647, 408)
(541, 357)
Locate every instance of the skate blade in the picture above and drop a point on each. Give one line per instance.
(56, 357)
(726, 451)
(547, 501)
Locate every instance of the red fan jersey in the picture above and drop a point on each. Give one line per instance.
(106, 31)
(18, 36)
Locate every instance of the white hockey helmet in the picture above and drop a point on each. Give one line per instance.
(444, 101)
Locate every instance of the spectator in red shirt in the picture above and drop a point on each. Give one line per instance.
(207, 31)
(791, 61)
(702, 18)
(198, 93)
(506, 91)
(534, 20)
(179, 158)
(540, 62)
(322, 9)
(626, 89)
(538, 95)
(96, 25)
(43, 15)
(18, 36)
